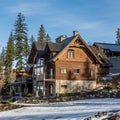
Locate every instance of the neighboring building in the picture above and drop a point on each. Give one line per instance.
(67, 66)
(112, 51)
(22, 85)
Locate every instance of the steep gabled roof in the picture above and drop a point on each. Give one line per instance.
(39, 45)
(58, 47)
(54, 46)
(37, 48)
(66, 42)
(109, 46)
(96, 56)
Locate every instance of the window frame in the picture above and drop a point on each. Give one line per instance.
(40, 62)
(76, 71)
(70, 54)
(63, 70)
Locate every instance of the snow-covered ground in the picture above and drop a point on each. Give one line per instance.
(73, 110)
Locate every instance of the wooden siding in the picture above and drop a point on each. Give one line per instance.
(102, 71)
(84, 70)
(79, 55)
(80, 61)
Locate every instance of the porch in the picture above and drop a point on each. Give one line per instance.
(21, 86)
(45, 85)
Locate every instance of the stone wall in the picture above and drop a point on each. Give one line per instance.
(74, 86)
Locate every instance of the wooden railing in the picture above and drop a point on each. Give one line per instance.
(45, 77)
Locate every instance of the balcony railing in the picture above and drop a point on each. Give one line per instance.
(48, 76)
(45, 77)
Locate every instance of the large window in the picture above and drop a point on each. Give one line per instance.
(40, 62)
(63, 70)
(76, 70)
(70, 53)
(39, 71)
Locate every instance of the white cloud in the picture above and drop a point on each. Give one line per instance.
(62, 20)
(29, 8)
(68, 20)
(56, 17)
(90, 25)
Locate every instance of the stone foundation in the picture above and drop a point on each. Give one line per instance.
(74, 86)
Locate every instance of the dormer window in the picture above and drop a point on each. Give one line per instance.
(70, 53)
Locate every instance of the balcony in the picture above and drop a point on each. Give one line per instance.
(49, 77)
(45, 77)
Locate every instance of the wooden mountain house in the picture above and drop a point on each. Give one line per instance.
(68, 66)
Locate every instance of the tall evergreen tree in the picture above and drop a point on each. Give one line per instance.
(42, 34)
(21, 42)
(118, 36)
(10, 54)
(48, 39)
(31, 41)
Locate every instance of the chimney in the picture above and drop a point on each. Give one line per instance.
(75, 32)
(61, 38)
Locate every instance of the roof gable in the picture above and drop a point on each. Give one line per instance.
(77, 41)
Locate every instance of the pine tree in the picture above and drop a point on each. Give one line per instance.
(10, 54)
(3, 56)
(31, 41)
(42, 34)
(118, 36)
(21, 42)
(48, 39)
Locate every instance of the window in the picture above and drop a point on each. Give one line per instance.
(70, 53)
(63, 70)
(40, 62)
(64, 86)
(76, 71)
(92, 73)
(39, 71)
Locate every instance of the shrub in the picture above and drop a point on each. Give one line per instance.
(69, 94)
(111, 86)
(5, 102)
(97, 80)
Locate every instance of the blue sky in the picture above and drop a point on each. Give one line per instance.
(96, 20)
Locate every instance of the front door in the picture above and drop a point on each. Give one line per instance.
(40, 88)
(50, 89)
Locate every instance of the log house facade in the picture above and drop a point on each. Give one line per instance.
(67, 66)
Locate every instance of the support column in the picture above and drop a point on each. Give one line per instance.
(36, 89)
